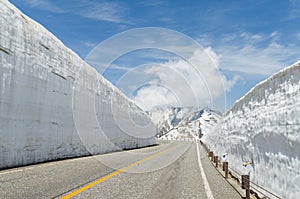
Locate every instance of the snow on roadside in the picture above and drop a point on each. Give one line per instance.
(264, 127)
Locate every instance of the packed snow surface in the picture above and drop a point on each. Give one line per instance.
(54, 105)
(264, 127)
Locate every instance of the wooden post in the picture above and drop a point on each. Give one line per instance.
(246, 185)
(211, 155)
(243, 182)
(225, 168)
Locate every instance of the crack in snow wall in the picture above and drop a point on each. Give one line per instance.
(264, 126)
(37, 85)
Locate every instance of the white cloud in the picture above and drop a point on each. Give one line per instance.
(251, 59)
(274, 34)
(151, 3)
(103, 11)
(118, 67)
(89, 44)
(155, 95)
(188, 74)
(294, 2)
(98, 10)
(44, 5)
(295, 11)
(251, 37)
(195, 82)
(255, 54)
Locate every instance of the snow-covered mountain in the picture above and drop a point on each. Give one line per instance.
(180, 123)
(264, 127)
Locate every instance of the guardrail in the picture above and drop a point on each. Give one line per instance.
(251, 188)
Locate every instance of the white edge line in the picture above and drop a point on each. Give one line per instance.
(205, 182)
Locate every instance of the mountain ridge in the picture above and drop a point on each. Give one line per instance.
(183, 122)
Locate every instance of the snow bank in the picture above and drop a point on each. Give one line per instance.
(264, 126)
(46, 90)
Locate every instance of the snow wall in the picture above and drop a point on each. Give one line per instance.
(264, 126)
(53, 105)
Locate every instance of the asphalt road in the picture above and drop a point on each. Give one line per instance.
(171, 169)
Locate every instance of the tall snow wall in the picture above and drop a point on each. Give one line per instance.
(264, 127)
(53, 105)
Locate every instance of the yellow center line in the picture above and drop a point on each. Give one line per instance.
(82, 189)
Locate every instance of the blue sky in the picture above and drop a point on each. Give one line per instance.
(250, 39)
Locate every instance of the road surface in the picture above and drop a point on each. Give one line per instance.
(171, 169)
